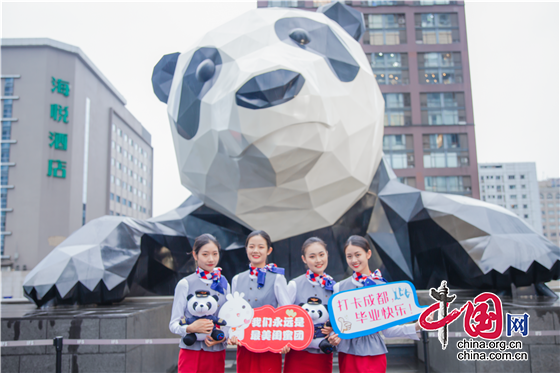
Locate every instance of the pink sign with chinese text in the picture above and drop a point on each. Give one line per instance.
(367, 310)
(273, 328)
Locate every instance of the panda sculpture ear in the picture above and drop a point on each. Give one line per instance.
(216, 297)
(163, 76)
(326, 307)
(347, 17)
(189, 297)
(301, 304)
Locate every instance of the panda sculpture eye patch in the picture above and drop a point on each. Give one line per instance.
(201, 74)
(318, 38)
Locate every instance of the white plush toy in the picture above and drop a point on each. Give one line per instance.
(238, 313)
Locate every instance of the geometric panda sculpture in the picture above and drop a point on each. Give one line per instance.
(277, 124)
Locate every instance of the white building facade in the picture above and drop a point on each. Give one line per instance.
(513, 186)
(71, 150)
(550, 209)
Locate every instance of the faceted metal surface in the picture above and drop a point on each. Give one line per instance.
(300, 163)
(421, 237)
(347, 17)
(294, 95)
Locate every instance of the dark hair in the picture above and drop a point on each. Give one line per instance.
(263, 234)
(357, 241)
(310, 241)
(204, 239)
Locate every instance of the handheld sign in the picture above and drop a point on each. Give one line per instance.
(266, 328)
(273, 328)
(367, 310)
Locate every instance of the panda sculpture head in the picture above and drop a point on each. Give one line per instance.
(202, 303)
(276, 117)
(317, 310)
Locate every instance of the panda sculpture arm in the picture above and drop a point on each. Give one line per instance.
(281, 291)
(178, 309)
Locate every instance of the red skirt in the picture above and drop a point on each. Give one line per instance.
(191, 361)
(256, 362)
(303, 361)
(362, 364)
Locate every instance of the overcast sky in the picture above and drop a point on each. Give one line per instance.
(513, 52)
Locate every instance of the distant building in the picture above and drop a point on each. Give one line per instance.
(550, 209)
(419, 54)
(71, 151)
(513, 186)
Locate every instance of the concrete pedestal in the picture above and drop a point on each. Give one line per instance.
(142, 318)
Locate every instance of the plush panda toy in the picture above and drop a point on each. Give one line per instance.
(320, 315)
(202, 305)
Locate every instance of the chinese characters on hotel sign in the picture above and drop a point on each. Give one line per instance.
(58, 140)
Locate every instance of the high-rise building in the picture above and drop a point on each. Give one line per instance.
(418, 53)
(549, 191)
(71, 151)
(513, 186)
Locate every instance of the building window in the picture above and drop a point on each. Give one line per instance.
(385, 29)
(514, 207)
(9, 87)
(5, 153)
(4, 175)
(523, 186)
(511, 177)
(124, 201)
(4, 198)
(448, 184)
(282, 4)
(512, 187)
(522, 176)
(525, 206)
(440, 68)
(397, 109)
(434, 2)
(524, 196)
(549, 196)
(118, 199)
(513, 196)
(436, 28)
(111, 196)
(399, 151)
(410, 181)
(389, 68)
(111, 212)
(443, 108)
(7, 108)
(6, 130)
(445, 150)
(498, 177)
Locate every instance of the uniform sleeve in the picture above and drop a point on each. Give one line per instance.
(292, 291)
(401, 331)
(178, 310)
(228, 291)
(281, 291)
(234, 284)
(336, 288)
